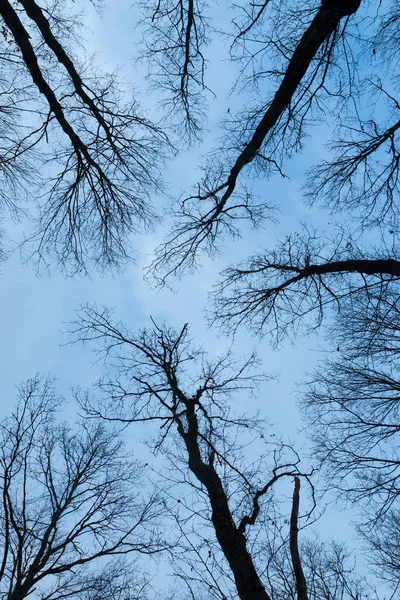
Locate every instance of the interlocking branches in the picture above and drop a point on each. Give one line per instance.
(369, 327)
(383, 542)
(196, 229)
(329, 570)
(208, 212)
(67, 505)
(364, 175)
(267, 36)
(101, 153)
(354, 408)
(353, 402)
(166, 378)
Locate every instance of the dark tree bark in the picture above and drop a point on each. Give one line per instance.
(322, 26)
(156, 363)
(231, 540)
(301, 584)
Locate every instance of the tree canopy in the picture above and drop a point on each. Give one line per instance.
(87, 155)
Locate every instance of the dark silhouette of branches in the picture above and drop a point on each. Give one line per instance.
(101, 153)
(278, 290)
(354, 409)
(383, 544)
(68, 505)
(162, 377)
(173, 40)
(369, 327)
(352, 401)
(208, 212)
(329, 570)
(364, 175)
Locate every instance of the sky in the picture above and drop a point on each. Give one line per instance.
(35, 308)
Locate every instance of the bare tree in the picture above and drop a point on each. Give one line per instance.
(353, 401)
(277, 291)
(354, 409)
(71, 515)
(174, 36)
(383, 545)
(304, 43)
(329, 569)
(362, 175)
(102, 158)
(98, 154)
(234, 533)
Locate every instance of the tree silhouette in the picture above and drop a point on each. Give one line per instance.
(158, 376)
(71, 515)
(98, 154)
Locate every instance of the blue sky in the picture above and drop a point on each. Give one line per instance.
(34, 309)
